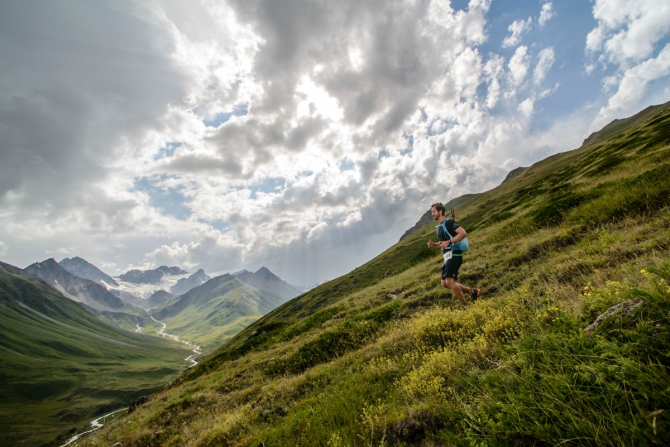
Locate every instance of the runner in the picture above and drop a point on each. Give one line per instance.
(453, 256)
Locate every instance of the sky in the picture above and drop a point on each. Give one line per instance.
(304, 136)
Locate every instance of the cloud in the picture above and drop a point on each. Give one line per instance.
(518, 28)
(518, 65)
(546, 60)
(626, 42)
(627, 30)
(546, 13)
(632, 87)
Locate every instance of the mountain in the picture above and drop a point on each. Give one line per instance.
(62, 367)
(83, 269)
(78, 289)
(427, 216)
(159, 298)
(216, 310)
(266, 281)
(186, 284)
(385, 356)
(150, 276)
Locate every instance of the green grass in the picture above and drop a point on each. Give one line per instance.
(62, 367)
(385, 356)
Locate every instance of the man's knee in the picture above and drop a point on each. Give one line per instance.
(448, 283)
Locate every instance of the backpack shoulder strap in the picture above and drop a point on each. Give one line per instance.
(444, 227)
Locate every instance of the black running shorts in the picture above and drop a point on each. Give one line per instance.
(450, 268)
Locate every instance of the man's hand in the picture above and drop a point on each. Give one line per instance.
(444, 244)
(432, 244)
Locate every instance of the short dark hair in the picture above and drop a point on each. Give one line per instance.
(439, 207)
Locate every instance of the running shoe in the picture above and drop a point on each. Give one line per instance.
(475, 294)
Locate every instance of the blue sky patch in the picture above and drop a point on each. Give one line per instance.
(220, 118)
(169, 201)
(267, 186)
(347, 165)
(220, 225)
(167, 150)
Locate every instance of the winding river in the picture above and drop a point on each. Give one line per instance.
(99, 423)
(96, 424)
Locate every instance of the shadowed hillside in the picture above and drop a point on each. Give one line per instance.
(61, 366)
(385, 356)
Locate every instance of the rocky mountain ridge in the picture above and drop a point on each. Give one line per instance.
(74, 287)
(84, 269)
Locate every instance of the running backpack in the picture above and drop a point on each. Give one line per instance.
(462, 245)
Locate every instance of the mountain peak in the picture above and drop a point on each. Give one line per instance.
(265, 273)
(84, 269)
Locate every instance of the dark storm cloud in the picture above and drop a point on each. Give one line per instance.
(78, 78)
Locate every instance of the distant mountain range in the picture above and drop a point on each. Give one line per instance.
(198, 308)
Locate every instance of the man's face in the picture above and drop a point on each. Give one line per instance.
(435, 213)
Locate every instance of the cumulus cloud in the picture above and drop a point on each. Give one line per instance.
(519, 65)
(627, 30)
(546, 60)
(518, 28)
(626, 39)
(546, 13)
(632, 86)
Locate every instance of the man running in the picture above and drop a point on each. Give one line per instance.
(453, 257)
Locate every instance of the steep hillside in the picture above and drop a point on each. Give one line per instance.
(215, 311)
(619, 125)
(61, 366)
(385, 356)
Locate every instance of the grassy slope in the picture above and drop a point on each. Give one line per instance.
(617, 126)
(369, 360)
(61, 366)
(212, 313)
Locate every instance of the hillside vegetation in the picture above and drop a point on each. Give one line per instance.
(384, 356)
(215, 311)
(62, 367)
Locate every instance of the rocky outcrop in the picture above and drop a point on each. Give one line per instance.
(621, 310)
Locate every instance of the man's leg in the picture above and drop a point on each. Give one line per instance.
(450, 283)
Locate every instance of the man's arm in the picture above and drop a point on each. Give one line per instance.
(460, 235)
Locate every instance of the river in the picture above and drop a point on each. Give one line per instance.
(97, 424)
